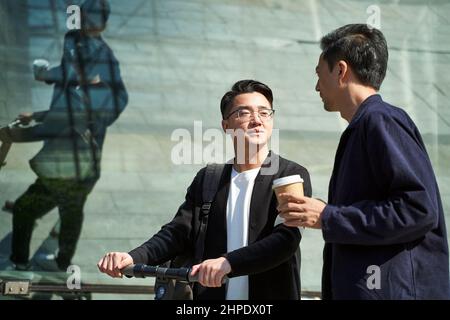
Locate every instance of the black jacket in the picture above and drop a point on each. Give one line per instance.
(271, 258)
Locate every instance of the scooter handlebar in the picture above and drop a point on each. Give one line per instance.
(179, 274)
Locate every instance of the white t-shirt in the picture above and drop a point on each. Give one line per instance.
(238, 211)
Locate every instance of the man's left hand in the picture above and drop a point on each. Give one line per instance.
(301, 211)
(211, 272)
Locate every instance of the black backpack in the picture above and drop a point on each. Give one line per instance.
(168, 289)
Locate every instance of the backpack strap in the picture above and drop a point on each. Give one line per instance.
(210, 186)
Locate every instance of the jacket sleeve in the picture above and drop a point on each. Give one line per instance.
(64, 72)
(402, 172)
(39, 116)
(266, 253)
(175, 237)
(274, 249)
(51, 124)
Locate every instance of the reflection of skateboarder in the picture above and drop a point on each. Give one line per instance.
(88, 96)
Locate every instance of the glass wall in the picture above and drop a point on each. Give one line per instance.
(177, 59)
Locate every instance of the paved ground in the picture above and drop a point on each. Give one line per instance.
(177, 59)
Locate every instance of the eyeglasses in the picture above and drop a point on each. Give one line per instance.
(245, 114)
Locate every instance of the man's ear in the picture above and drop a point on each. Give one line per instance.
(225, 125)
(343, 71)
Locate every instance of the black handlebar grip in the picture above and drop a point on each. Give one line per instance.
(180, 274)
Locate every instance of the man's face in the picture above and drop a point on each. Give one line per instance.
(327, 84)
(249, 113)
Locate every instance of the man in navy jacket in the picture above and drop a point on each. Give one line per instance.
(383, 226)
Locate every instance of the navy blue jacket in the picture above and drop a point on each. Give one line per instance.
(384, 211)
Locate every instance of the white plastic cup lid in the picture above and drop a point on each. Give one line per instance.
(287, 180)
(41, 63)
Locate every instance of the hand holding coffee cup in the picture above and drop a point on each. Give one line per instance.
(296, 210)
(290, 184)
(287, 185)
(40, 67)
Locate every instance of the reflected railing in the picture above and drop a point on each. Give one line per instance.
(26, 289)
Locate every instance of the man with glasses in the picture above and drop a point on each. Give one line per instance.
(243, 241)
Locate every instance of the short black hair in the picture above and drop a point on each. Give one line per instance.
(95, 14)
(364, 48)
(241, 87)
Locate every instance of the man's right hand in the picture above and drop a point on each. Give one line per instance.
(25, 117)
(113, 262)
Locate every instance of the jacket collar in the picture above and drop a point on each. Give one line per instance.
(362, 109)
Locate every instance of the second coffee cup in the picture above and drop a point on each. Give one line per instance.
(290, 184)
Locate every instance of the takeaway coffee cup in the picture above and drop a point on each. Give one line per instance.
(290, 184)
(40, 66)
